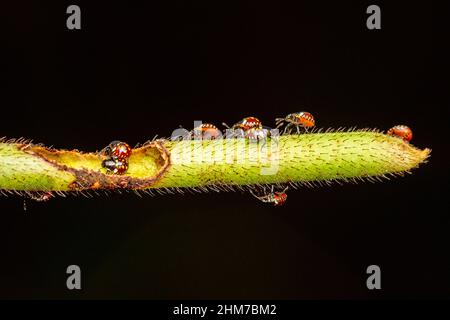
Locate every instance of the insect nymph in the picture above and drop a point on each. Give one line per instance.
(206, 131)
(401, 131)
(298, 120)
(278, 198)
(250, 128)
(248, 123)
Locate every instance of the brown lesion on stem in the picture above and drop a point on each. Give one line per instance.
(92, 177)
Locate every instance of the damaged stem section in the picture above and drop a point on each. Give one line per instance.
(212, 164)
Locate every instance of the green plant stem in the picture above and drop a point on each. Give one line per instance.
(306, 158)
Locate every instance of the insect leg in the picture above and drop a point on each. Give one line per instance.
(288, 128)
(279, 122)
(260, 198)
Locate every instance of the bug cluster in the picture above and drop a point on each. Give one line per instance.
(117, 155)
(294, 123)
(252, 128)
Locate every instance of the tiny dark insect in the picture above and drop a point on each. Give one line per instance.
(115, 166)
(298, 120)
(401, 131)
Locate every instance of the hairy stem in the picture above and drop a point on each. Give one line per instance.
(295, 159)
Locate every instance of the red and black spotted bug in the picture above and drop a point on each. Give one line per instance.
(401, 131)
(206, 131)
(300, 119)
(278, 198)
(115, 166)
(118, 150)
(117, 153)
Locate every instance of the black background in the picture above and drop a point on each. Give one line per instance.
(136, 70)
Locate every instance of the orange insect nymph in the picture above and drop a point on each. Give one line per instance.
(207, 131)
(300, 119)
(401, 131)
(248, 123)
(277, 198)
(303, 118)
